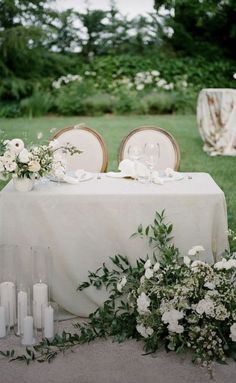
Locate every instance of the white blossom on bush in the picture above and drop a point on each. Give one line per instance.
(121, 284)
(143, 303)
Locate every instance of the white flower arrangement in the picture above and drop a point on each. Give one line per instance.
(40, 160)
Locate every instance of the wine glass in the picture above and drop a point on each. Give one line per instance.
(152, 154)
(134, 154)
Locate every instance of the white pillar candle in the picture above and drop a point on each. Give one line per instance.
(40, 299)
(28, 331)
(3, 332)
(21, 310)
(48, 322)
(8, 300)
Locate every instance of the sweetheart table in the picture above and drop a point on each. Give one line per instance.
(87, 223)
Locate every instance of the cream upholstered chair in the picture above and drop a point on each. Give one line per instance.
(94, 157)
(169, 149)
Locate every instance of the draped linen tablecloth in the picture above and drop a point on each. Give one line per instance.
(216, 117)
(85, 224)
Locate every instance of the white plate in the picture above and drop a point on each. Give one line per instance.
(86, 176)
(116, 175)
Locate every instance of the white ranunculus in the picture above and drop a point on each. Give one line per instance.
(10, 166)
(8, 156)
(24, 156)
(233, 332)
(16, 145)
(34, 166)
(121, 284)
(144, 331)
(205, 306)
(195, 265)
(143, 303)
(156, 266)
(175, 327)
(172, 315)
(196, 249)
(187, 261)
(147, 264)
(148, 273)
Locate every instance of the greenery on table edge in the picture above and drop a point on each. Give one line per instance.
(165, 299)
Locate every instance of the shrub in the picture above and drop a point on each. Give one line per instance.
(160, 102)
(36, 105)
(10, 110)
(99, 103)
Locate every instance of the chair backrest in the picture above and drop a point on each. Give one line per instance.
(169, 149)
(94, 157)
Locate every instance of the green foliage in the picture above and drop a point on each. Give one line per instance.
(99, 103)
(36, 105)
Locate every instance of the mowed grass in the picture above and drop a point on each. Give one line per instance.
(114, 128)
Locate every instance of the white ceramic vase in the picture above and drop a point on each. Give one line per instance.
(23, 184)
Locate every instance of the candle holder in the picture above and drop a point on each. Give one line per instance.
(8, 283)
(41, 261)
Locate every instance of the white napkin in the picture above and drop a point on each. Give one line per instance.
(70, 180)
(80, 173)
(127, 168)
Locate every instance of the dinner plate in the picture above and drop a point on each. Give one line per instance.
(117, 175)
(86, 176)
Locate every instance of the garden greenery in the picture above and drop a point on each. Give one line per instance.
(168, 299)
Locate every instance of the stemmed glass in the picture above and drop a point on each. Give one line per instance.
(151, 155)
(135, 153)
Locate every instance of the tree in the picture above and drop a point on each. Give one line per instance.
(200, 26)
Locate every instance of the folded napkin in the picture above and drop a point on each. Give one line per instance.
(127, 168)
(70, 180)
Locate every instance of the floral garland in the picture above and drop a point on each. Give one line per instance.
(181, 302)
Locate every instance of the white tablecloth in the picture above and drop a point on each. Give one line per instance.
(216, 117)
(85, 224)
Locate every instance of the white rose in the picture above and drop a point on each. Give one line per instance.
(34, 166)
(156, 266)
(175, 327)
(230, 264)
(143, 303)
(196, 249)
(121, 284)
(233, 332)
(147, 264)
(172, 315)
(16, 145)
(10, 166)
(205, 306)
(220, 265)
(144, 331)
(24, 156)
(148, 273)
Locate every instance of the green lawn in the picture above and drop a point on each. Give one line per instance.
(114, 128)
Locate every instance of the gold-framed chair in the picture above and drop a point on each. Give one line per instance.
(95, 155)
(169, 149)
